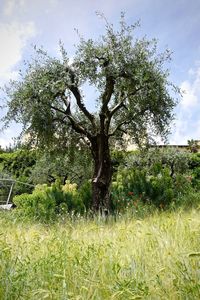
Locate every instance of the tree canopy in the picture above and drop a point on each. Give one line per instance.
(134, 97)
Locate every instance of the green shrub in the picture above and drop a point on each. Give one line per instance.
(85, 194)
(187, 201)
(36, 205)
(47, 202)
(194, 160)
(155, 159)
(194, 164)
(157, 187)
(156, 176)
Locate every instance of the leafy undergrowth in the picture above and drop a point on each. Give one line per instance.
(152, 258)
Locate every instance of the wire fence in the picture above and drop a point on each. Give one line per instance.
(7, 188)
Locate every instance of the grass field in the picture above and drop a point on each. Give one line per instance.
(157, 257)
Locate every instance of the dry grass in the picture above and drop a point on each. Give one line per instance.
(157, 257)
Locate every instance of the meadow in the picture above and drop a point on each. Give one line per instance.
(155, 257)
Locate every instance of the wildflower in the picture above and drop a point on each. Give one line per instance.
(130, 193)
(135, 203)
(189, 178)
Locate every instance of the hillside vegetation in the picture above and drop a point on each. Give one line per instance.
(156, 257)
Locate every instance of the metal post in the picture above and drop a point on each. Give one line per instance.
(10, 193)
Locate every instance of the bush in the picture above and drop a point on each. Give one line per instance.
(155, 185)
(194, 164)
(187, 201)
(85, 195)
(36, 205)
(45, 203)
(19, 165)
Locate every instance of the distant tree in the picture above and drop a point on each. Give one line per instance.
(132, 93)
(74, 165)
(177, 161)
(193, 146)
(1, 150)
(18, 165)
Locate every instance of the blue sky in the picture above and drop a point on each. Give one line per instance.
(175, 23)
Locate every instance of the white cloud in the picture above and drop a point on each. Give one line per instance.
(189, 98)
(11, 6)
(8, 135)
(5, 142)
(187, 124)
(191, 90)
(180, 135)
(14, 37)
(6, 138)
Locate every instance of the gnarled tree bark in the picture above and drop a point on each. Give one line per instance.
(102, 175)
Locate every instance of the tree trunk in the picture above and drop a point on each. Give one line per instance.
(102, 175)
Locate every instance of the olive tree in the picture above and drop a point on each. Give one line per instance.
(132, 92)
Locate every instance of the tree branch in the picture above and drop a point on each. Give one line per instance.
(117, 107)
(109, 89)
(58, 109)
(75, 91)
(75, 125)
(121, 103)
(105, 61)
(62, 120)
(118, 127)
(127, 121)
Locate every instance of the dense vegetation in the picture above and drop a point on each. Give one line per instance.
(156, 257)
(159, 178)
(53, 247)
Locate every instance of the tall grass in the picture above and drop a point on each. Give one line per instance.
(157, 257)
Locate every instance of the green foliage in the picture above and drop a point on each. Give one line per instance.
(157, 177)
(193, 146)
(36, 205)
(188, 201)
(35, 167)
(194, 161)
(130, 69)
(175, 160)
(194, 165)
(196, 178)
(45, 203)
(85, 195)
(18, 165)
(72, 164)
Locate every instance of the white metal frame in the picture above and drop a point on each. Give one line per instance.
(11, 187)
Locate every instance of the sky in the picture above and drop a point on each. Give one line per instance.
(175, 23)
